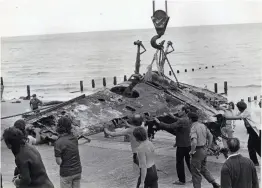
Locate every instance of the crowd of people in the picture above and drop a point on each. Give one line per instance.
(193, 140)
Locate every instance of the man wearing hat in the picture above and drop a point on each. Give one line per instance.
(35, 102)
(253, 129)
(201, 140)
(136, 121)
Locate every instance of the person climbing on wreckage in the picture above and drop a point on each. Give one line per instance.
(253, 129)
(135, 121)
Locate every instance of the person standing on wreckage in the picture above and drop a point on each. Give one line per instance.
(182, 130)
(136, 121)
(253, 129)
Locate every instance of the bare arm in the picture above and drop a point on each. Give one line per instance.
(119, 133)
(193, 145)
(142, 164)
(233, 117)
(40, 102)
(37, 136)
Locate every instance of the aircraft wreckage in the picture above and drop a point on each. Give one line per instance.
(151, 95)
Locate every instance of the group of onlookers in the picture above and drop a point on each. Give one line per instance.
(193, 140)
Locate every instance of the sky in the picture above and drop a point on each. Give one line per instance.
(36, 17)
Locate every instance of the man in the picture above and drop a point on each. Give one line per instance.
(136, 121)
(200, 136)
(253, 129)
(181, 128)
(67, 155)
(238, 171)
(228, 130)
(35, 102)
(21, 125)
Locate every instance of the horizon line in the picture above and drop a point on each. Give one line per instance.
(112, 30)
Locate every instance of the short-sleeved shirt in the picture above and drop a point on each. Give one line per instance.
(66, 147)
(35, 103)
(31, 140)
(200, 132)
(249, 120)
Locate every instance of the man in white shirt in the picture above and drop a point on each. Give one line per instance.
(253, 129)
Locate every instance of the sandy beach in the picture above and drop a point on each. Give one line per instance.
(109, 161)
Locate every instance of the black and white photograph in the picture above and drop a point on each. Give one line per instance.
(131, 93)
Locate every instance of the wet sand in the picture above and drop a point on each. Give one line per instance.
(109, 161)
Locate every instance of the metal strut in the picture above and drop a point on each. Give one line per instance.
(139, 44)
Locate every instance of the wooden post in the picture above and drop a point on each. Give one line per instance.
(170, 73)
(225, 87)
(193, 70)
(93, 83)
(215, 86)
(185, 70)
(125, 78)
(177, 71)
(2, 87)
(81, 86)
(249, 99)
(28, 92)
(104, 82)
(255, 98)
(115, 82)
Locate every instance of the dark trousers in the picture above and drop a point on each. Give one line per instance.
(181, 153)
(198, 167)
(151, 180)
(254, 145)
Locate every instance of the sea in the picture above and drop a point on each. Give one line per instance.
(53, 65)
